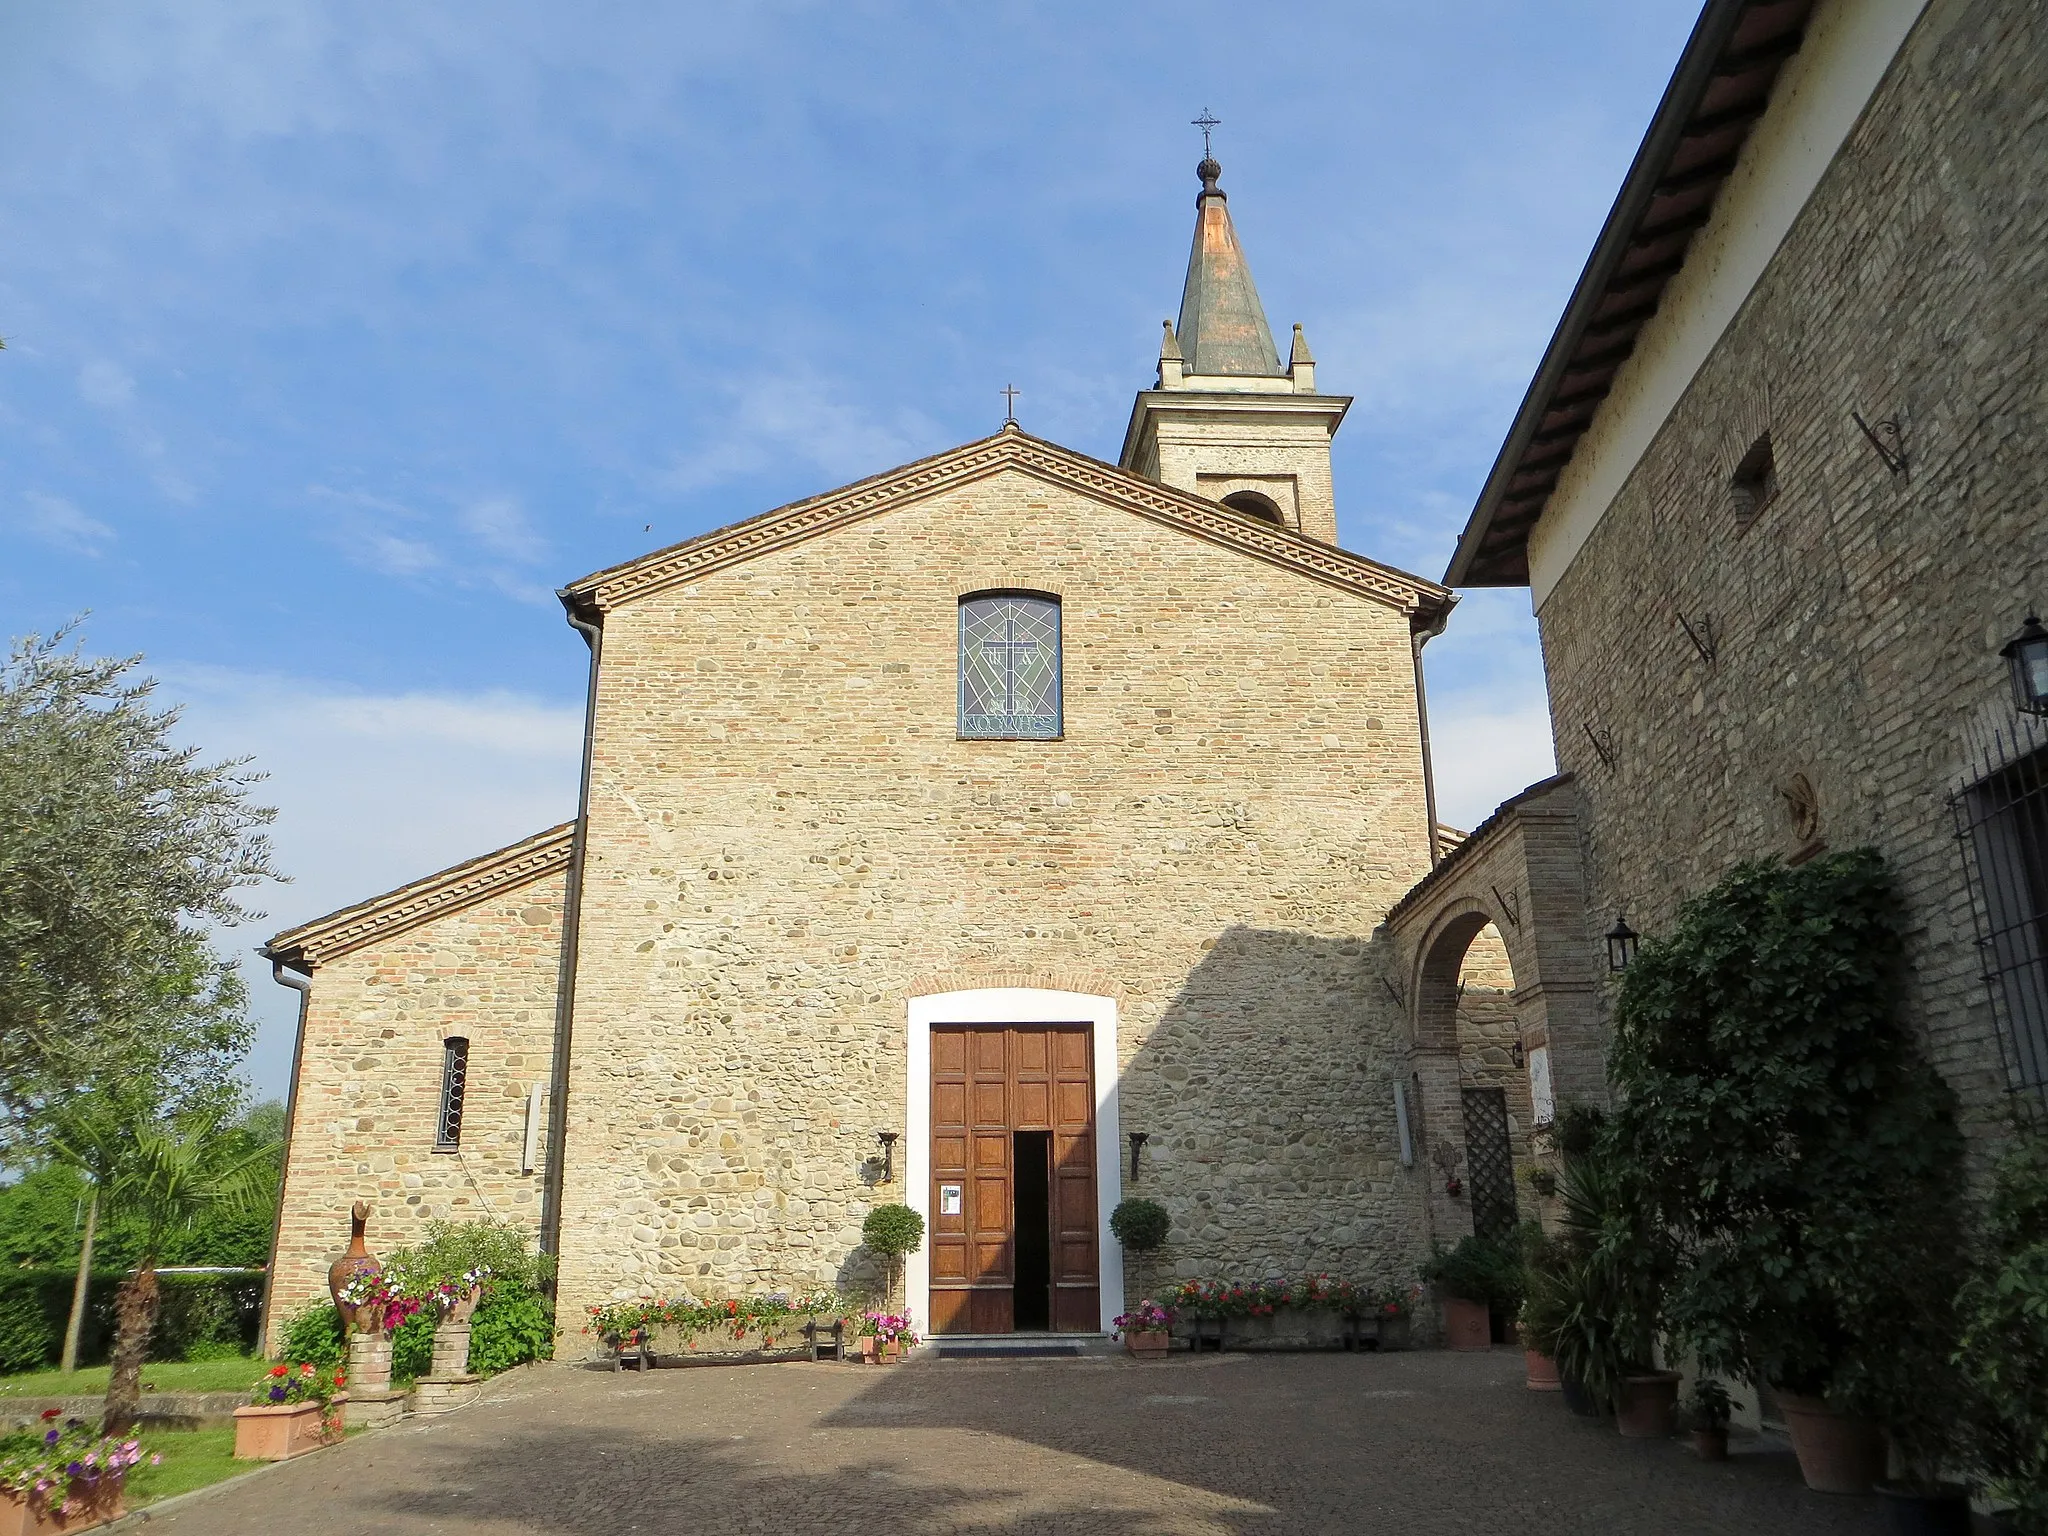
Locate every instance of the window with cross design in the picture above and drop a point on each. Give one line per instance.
(1009, 667)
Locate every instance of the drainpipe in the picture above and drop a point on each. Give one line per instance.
(565, 975)
(303, 985)
(1418, 640)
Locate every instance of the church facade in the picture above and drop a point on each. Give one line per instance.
(1005, 834)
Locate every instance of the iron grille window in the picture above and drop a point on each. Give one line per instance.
(454, 1078)
(2002, 821)
(1009, 667)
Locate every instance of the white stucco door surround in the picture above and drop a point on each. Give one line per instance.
(1013, 1005)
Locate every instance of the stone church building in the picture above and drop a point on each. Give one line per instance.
(1004, 834)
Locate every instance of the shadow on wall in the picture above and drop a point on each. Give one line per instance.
(1265, 1095)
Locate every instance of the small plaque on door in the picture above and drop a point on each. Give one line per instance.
(949, 1199)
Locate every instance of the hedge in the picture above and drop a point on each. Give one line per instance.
(195, 1311)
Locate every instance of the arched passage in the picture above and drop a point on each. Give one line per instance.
(1502, 995)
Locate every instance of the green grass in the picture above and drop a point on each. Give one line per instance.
(192, 1459)
(235, 1375)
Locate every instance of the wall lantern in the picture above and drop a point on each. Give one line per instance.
(1138, 1140)
(1516, 1053)
(888, 1141)
(1621, 944)
(2027, 654)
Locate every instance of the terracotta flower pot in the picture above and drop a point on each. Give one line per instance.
(1943, 1511)
(1467, 1324)
(1147, 1343)
(1837, 1453)
(1578, 1399)
(1648, 1409)
(892, 1353)
(869, 1344)
(1710, 1444)
(101, 1502)
(277, 1433)
(1540, 1372)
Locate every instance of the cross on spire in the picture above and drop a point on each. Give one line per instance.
(1208, 125)
(1010, 392)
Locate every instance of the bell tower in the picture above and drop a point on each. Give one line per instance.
(1227, 419)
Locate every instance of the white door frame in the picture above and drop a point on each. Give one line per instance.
(1014, 1005)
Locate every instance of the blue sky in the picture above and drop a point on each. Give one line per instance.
(339, 335)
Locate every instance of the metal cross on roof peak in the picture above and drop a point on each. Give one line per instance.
(1010, 392)
(1208, 125)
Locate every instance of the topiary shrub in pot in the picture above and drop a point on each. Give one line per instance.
(1141, 1226)
(893, 1231)
(1777, 1122)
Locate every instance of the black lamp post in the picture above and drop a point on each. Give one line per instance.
(2027, 654)
(888, 1141)
(1621, 944)
(1138, 1140)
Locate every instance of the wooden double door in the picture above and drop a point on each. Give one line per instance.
(1013, 1245)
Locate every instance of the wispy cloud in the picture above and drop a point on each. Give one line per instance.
(106, 385)
(60, 524)
(501, 525)
(804, 417)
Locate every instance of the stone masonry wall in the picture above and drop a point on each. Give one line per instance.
(370, 1084)
(786, 834)
(1858, 618)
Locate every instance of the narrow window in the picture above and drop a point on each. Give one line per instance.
(454, 1078)
(1009, 667)
(1754, 484)
(2004, 821)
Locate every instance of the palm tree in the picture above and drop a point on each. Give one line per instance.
(91, 1139)
(176, 1171)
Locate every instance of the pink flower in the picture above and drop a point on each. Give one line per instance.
(156, 1458)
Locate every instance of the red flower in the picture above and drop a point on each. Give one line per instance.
(279, 1370)
(339, 1379)
(51, 1413)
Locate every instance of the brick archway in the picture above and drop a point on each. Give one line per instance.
(1518, 874)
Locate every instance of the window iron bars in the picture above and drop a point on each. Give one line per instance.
(1492, 1161)
(2002, 827)
(454, 1080)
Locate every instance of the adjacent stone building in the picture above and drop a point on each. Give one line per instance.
(1001, 834)
(1779, 491)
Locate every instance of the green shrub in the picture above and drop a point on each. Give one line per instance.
(216, 1350)
(2004, 1346)
(512, 1325)
(412, 1347)
(1478, 1269)
(893, 1230)
(1140, 1225)
(25, 1336)
(315, 1334)
(450, 1249)
(1778, 1130)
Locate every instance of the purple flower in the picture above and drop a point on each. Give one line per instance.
(76, 1469)
(277, 1394)
(52, 1437)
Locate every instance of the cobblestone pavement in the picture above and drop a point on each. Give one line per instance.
(1211, 1446)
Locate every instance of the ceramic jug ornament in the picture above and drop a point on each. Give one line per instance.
(357, 1261)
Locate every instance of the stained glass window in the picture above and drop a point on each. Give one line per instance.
(1010, 667)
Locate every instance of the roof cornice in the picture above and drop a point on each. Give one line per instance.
(1010, 449)
(1152, 403)
(381, 917)
(1721, 86)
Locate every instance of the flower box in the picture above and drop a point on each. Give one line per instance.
(784, 1340)
(91, 1504)
(1467, 1324)
(1147, 1343)
(279, 1433)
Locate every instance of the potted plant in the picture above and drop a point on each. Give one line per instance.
(63, 1477)
(287, 1412)
(1709, 1409)
(2004, 1349)
(1146, 1330)
(1786, 1138)
(1140, 1226)
(1542, 1311)
(892, 1334)
(1469, 1280)
(892, 1231)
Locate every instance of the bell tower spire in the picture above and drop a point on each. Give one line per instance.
(1227, 419)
